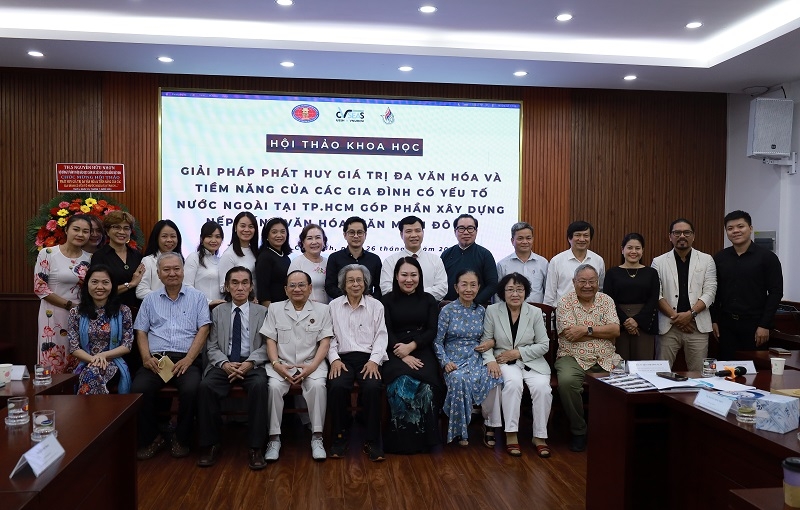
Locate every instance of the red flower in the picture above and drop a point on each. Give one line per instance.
(50, 242)
(54, 211)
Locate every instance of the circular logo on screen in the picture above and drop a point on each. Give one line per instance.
(305, 113)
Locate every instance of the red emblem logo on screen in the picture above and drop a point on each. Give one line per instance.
(305, 113)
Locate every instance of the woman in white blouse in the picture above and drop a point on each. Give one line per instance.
(312, 243)
(202, 266)
(243, 249)
(164, 237)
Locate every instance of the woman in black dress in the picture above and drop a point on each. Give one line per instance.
(414, 386)
(124, 262)
(273, 262)
(634, 289)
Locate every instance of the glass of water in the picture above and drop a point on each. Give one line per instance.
(17, 411)
(619, 369)
(746, 411)
(42, 374)
(44, 425)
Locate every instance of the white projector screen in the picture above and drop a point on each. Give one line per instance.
(323, 159)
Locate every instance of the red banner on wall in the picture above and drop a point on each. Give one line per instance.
(108, 177)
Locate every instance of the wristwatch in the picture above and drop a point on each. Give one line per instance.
(589, 331)
(694, 314)
(127, 285)
(276, 362)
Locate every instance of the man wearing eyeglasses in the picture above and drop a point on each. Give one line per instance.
(468, 254)
(355, 234)
(688, 286)
(588, 326)
(298, 333)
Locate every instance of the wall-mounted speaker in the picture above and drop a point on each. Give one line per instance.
(770, 128)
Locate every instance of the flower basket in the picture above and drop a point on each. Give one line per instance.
(46, 229)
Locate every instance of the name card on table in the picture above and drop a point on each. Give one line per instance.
(648, 366)
(713, 402)
(19, 372)
(40, 457)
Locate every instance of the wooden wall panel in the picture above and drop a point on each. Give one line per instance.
(641, 160)
(622, 160)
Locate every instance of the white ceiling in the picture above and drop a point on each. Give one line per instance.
(742, 43)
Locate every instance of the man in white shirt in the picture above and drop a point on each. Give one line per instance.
(523, 261)
(434, 276)
(298, 333)
(357, 351)
(562, 267)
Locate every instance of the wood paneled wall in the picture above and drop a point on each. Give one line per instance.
(625, 161)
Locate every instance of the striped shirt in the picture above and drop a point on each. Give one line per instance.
(172, 325)
(359, 329)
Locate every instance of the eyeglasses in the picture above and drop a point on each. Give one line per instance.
(468, 230)
(356, 233)
(583, 283)
(120, 228)
(682, 233)
(354, 280)
(301, 286)
(513, 291)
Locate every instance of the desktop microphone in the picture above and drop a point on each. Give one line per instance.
(732, 372)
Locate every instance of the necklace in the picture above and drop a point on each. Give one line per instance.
(634, 272)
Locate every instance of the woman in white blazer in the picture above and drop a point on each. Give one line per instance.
(521, 342)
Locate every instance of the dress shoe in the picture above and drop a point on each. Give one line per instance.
(374, 451)
(578, 443)
(339, 447)
(209, 456)
(177, 450)
(256, 460)
(150, 451)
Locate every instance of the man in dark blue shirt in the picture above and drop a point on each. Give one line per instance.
(355, 233)
(467, 254)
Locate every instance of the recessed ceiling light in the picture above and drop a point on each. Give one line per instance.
(166, 60)
(427, 9)
(521, 73)
(287, 64)
(694, 24)
(630, 77)
(564, 17)
(405, 69)
(284, 2)
(34, 53)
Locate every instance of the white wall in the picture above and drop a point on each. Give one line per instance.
(767, 192)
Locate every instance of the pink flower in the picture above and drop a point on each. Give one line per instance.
(63, 205)
(40, 287)
(81, 269)
(51, 225)
(48, 332)
(44, 264)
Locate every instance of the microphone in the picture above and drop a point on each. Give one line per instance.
(732, 372)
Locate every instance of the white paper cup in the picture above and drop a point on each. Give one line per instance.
(777, 365)
(5, 372)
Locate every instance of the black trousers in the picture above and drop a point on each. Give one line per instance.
(339, 390)
(737, 335)
(148, 383)
(214, 387)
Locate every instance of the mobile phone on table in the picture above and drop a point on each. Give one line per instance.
(672, 376)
